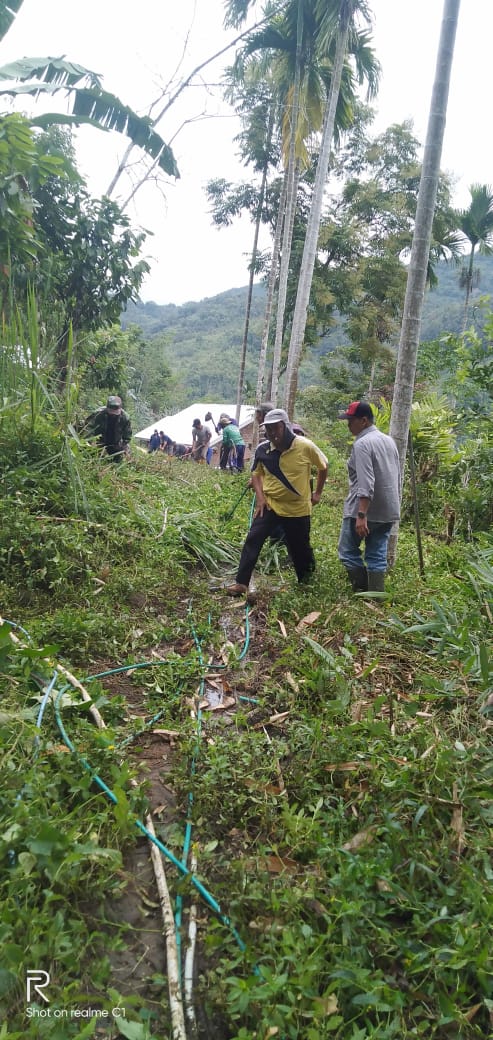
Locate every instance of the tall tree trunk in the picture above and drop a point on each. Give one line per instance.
(290, 209)
(416, 279)
(470, 272)
(315, 215)
(258, 220)
(269, 303)
(289, 219)
(372, 377)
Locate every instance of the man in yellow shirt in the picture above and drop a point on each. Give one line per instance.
(281, 473)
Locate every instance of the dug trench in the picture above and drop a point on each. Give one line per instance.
(138, 964)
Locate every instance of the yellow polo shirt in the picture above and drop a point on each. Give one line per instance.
(286, 475)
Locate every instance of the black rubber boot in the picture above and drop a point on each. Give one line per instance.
(358, 576)
(376, 581)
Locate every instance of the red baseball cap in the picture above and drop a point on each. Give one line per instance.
(357, 410)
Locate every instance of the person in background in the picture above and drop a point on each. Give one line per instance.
(165, 443)
(181, 451)
(267, 406)
(225, 449)
(281, 476)
(201, 436)
(154, 442)
(232, 441)
(112, 428)
(219, 427)
(373, 501)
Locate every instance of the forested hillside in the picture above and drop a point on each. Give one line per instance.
(203, 338)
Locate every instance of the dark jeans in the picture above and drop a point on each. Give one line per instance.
(224, 456)
(240, 458)
(297, 534)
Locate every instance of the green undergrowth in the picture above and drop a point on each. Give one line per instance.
(341, 816)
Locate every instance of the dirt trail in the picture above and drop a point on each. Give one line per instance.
(139, 967)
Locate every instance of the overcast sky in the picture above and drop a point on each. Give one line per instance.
(141, 48)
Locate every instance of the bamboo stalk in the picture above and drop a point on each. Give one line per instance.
(70, 520)
(188, 970)
(165, 523)
(100, 723)
(172, 967)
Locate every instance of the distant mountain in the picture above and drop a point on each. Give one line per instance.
(202, 340)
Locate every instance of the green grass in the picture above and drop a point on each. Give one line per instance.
(349, 841)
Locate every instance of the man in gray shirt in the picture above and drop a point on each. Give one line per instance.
(373, 501)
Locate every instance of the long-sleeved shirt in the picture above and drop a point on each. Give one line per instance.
(374, 473)
(113, 431)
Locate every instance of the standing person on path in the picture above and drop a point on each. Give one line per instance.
(373, 501)
(281, 474)
(155, 442)
(201, 436)
(232, 439)
(112, 427)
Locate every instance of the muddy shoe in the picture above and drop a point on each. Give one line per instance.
(236, 590)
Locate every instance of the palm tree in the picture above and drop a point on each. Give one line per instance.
(265, 159)
(269, 303)
(340, 19)
(476, 225)
(418, 266)
(290, 42)
(291, 120)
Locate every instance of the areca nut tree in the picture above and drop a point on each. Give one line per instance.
(476, 225)
(258, 219)
(252, 91)
(420, 249)
(299, 66)
(290, 202)
(338, 21)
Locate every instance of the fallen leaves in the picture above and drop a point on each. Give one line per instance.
(347, 767)
(360, 840)
(457, 821)
(309, 619)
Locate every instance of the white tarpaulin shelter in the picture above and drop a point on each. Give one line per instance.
(179, 426)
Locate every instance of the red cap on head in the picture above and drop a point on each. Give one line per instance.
(357, 410)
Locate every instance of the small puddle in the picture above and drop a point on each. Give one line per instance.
(213, 694)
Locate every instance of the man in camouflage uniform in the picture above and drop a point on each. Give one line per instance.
(112, 427)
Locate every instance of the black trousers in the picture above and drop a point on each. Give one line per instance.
(297, 534)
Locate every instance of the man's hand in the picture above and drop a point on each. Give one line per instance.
(261, 504)
(316, 496)
(361, 527)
